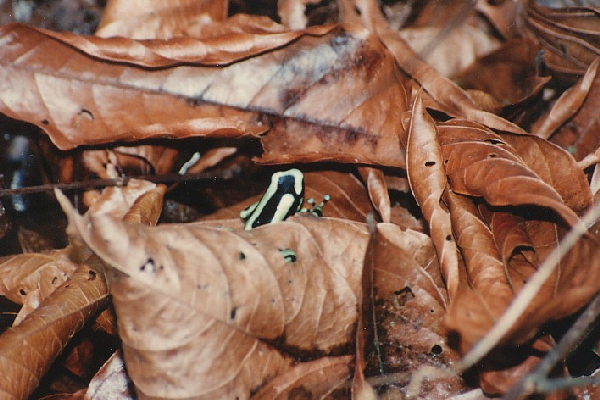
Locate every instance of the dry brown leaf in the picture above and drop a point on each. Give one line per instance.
(455, 50)
(86, 93)
(158, 19)
(28, 350)
(480, 163)
(427, 178)
(489, 290)
(28, 279)
(172, 304)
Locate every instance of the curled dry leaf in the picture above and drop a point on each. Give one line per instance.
(180, 290)
(427, 178)
(294, 77)
(28, 350)
(480, 163)
(378, 191)
(28, 279)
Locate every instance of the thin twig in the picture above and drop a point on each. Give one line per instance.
(529, 291)
(93, 183)
(537, 381)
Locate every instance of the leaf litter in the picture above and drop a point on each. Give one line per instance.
(206, 310)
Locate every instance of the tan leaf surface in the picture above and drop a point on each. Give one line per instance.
(299, 84)
(30, 278)
(427, 178)
(181, 289)
(28, 350)
(480, 163)
(158, 19)
(314, 380)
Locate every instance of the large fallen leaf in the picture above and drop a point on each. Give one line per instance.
(330, 93)
(480, 163)
(190, 297)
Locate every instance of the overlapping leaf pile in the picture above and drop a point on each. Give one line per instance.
(207, 310)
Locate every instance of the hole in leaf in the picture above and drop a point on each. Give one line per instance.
(357, 10)
(45, 122)
(54, 280)
(22, 292)
(430, 163)
(494, 141)
(92, 275)
(241, 256)
(149, 266)
(233, 312)
(449, 237)
(492, 155)
(436, 349)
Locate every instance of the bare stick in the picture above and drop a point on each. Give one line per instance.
(537, 381)
(168, 178)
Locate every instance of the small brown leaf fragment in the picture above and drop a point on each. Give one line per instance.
(480, 163)
(427, 178)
